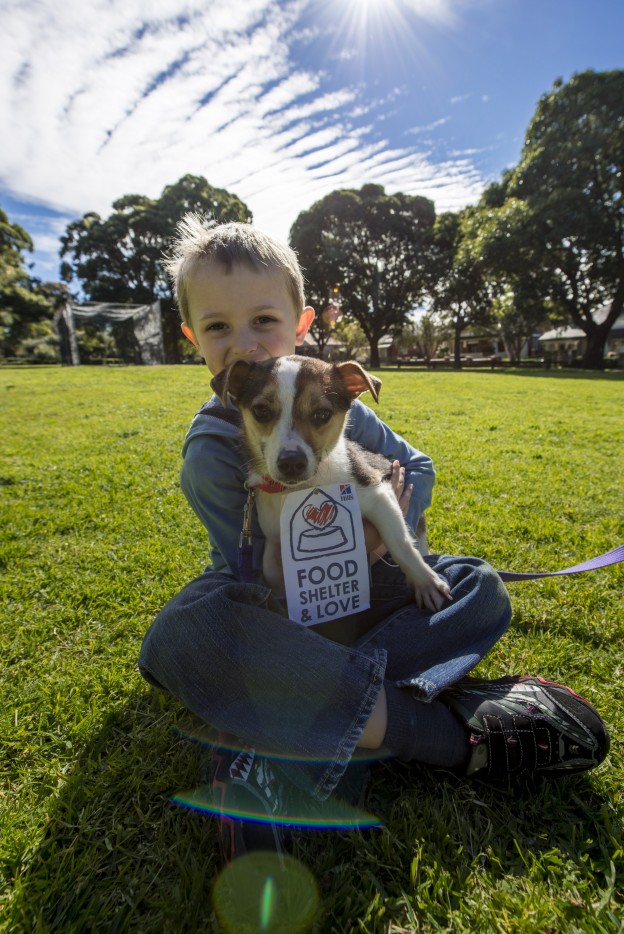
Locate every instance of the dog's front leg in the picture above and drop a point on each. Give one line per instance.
(272, 568)
(268, 506)
(380, 506)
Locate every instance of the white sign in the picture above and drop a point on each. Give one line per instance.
(324, 554)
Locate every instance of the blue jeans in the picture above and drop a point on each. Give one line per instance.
(224, 649)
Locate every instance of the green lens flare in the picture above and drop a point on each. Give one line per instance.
(332, 814)
(265, 892)
(267, 904)
(197, 735)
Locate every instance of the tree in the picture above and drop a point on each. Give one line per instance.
(425, 335)
(563, 207)
(120, 258)
(24, 301)
(459, 291)
(351, 334)
(328, 316)
(372, 246)
(495, 237)
(515, 322)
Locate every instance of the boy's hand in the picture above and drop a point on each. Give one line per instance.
(374, 544)
(397, 482)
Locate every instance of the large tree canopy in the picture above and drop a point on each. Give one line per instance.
(119, 258)
(374, 247)
(24, 301)
(560, 212)
(460, 294)
(495, 236)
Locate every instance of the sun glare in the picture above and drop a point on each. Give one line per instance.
(373, 7)
(384, 29)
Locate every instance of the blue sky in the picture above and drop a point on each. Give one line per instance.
(279, 101)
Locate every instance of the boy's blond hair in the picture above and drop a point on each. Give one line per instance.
(200, 239)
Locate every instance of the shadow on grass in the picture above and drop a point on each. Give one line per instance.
(571, 374)
(593, 375)
(580, 631)
(117, 855)
(460, 848)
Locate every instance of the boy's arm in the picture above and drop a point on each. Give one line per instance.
(212, 479)
(369, 431)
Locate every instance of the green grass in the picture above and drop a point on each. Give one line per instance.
(96, 538)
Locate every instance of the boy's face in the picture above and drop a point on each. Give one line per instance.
(242, 315)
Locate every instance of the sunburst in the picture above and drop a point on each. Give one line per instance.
(384, 30)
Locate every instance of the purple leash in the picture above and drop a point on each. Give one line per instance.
(245, 555)
(245, 542)
(602, 561)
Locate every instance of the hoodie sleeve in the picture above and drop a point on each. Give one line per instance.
(212, 479)
(374, 435)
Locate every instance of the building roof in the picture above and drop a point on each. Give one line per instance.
(330, 342)
(562, 334)
(572, 333)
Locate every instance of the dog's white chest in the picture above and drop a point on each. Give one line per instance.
(269, 506)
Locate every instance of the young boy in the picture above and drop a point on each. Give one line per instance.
(390, 680)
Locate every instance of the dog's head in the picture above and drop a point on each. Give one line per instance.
(293, 410)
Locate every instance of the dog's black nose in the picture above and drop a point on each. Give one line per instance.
(292, 464)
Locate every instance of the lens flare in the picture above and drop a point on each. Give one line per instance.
(265, 892)
(267, 902)
(332, 814)
(198, 734)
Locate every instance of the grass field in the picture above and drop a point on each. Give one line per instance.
(97, 536)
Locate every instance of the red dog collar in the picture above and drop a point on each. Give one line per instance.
(269, 486)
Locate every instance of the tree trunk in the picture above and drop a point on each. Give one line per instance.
(171, 331)
(457, 347)
(593, 358)
(374, 353)
(513, 346)
(597, 334)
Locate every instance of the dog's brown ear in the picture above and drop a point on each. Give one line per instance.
(229, 382)
(356, 380)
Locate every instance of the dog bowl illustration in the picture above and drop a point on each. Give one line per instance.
(321, 526)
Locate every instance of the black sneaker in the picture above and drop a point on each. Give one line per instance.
(249, 799)
(258, 809)
(521, 726)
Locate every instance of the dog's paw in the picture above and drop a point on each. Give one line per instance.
(432, 594)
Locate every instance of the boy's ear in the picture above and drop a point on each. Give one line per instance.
(189, 334)
(303, 325)
(230, 381)
(356, 380)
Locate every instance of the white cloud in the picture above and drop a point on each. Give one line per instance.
(106, 97)
(429, 126)
(434, 10)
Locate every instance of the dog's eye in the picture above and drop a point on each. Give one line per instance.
(261, 413)
(321, 416)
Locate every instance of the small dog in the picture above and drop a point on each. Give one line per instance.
(294, 411)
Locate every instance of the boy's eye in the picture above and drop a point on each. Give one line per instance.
(261, 413)
(217, 326)
(265, 319)
(321, 416)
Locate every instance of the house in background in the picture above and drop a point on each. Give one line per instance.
(563, 344)
(478, 344)
(567, 344)
(334, 349)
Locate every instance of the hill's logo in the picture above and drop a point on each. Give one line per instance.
(346, 492)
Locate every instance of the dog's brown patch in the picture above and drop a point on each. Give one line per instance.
(323, 394)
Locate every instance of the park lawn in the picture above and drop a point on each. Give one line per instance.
(97, 536)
